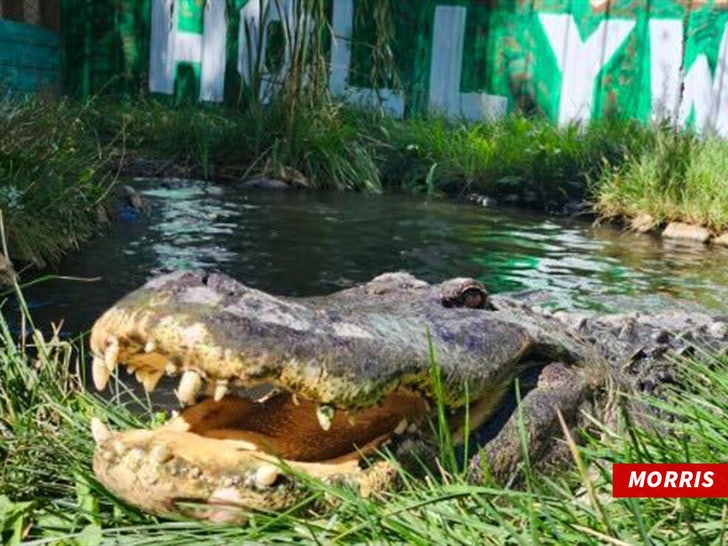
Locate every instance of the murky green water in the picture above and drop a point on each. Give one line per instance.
(304, 243)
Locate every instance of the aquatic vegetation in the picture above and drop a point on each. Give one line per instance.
(48, 492)
(327, 144)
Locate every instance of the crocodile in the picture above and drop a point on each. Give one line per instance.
(276, 390)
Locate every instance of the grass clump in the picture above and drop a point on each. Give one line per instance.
(53, 177)
(680, 177)
(59, 160)
(531, 159)
(327, 145)
(48, 494)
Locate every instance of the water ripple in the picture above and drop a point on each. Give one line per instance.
(304, 243)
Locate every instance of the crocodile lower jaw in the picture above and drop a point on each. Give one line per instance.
(219, 459)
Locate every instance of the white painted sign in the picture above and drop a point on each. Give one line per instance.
(581, 60)
(169, 46)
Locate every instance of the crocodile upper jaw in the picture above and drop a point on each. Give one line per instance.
(349, 373)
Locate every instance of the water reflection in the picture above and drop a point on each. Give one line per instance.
(305, 243)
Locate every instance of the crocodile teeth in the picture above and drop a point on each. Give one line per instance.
(267, 396)
(149, 347)
(111, 354)
(266, 476)
(221, 389)
(99, 431)
(401, 427)
(149, 379)
(100, 373)
(325, 415)
(189, 387)
(161, 454)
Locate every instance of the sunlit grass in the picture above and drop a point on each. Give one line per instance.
(335, 146)
(530, 159)
(54, 176)
(680, 178)
(58, 161)
(232, 144)
(48, 492)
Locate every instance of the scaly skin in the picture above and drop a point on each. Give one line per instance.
(350, 355)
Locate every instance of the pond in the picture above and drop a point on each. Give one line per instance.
(305, 243)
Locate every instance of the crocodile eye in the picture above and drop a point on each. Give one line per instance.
(463, 292)
(474, 298)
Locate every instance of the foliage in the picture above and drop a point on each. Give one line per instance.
(680, 177)
(528, 158)
(53, 177)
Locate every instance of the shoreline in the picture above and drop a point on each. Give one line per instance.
(646, 178)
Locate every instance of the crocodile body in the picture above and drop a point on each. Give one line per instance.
(273, 386)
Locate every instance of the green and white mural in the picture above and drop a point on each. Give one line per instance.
(569, 60)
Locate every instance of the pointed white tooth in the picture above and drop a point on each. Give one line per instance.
(161, 454)
(149, 347)
(100, 373)
(99, 431)
(189, 387)
(294, 399)
(149, 379)
(412, 428)
(221, 388)
(401, 427)
(266, 475)
(111, 354)
(325, 415)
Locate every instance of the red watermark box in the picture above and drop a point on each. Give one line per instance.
(670, 480)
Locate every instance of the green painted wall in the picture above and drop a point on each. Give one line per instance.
(568, 60)
(105, 45)
(30, 58)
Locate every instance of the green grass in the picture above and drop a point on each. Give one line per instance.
(528, 158)
(232, 144)
(48, 494)
(337, 147)
(54, 176)
(58, 161)
(679, 178)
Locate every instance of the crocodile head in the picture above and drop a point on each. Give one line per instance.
(275, 388)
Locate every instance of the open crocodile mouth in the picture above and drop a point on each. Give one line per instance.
(341, 379)
(229, 451)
